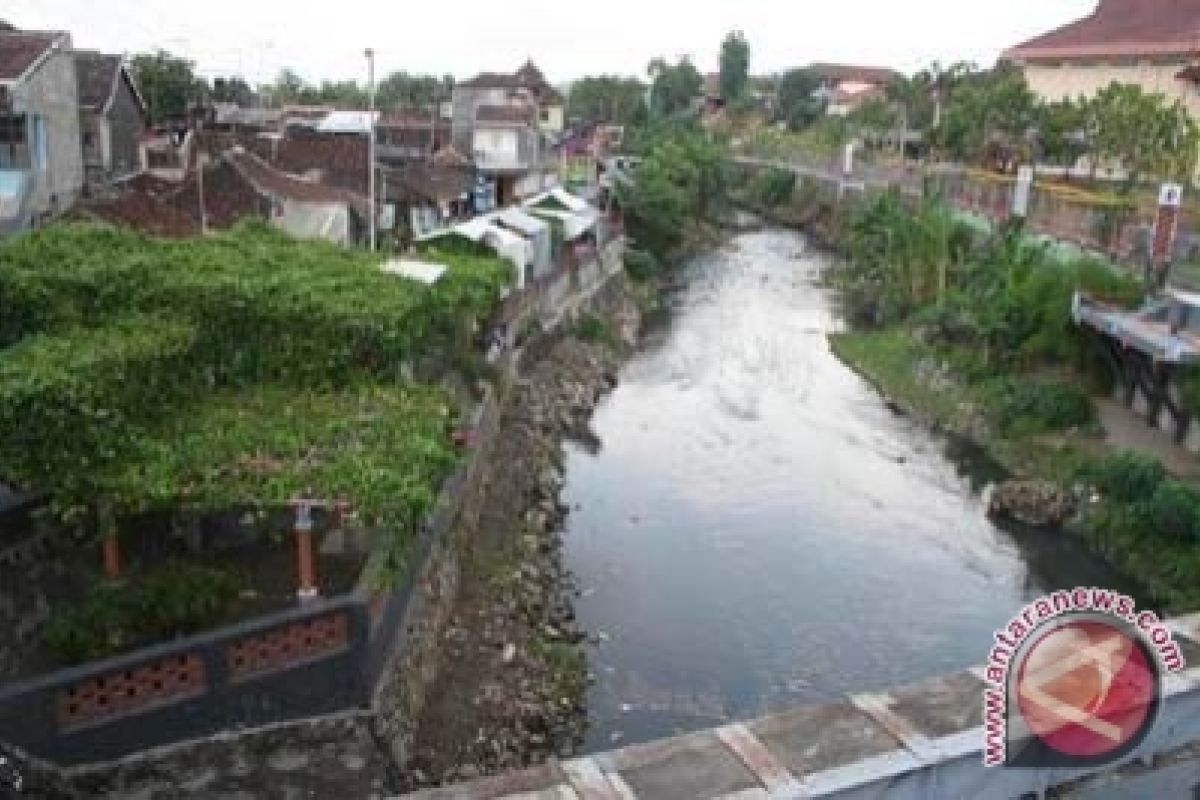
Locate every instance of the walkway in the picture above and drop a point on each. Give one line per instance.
(918, 742)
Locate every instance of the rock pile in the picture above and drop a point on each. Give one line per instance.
(1041, 504)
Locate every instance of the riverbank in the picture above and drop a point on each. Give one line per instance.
(513, 674)
(916, 380)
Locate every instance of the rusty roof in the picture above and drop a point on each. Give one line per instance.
(430, 181)
(1121, 28)
(272, 181)
(855, 73)
(20, 50)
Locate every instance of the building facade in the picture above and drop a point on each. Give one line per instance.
(112, 117)
(1154, 44)
(41, 158)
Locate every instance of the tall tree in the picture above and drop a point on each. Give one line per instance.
(169, 84)
(404, 90)
(986, 109)
(607, 98)
(735, 66)
(798, 103)
(675, 85)
(233, 90)
(1143, 131)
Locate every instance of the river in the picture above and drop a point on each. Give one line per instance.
(758, 531)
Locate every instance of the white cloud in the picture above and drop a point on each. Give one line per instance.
(326, 40)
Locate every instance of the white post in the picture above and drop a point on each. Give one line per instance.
(372, 213)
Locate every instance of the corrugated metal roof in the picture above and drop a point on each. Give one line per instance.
(348, 122)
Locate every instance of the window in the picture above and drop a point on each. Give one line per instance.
(40, 150)
(14, 147)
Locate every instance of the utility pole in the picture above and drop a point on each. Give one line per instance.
(373, 221)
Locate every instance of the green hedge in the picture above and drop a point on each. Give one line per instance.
(119, 354)
(72, 404)
(266, 307)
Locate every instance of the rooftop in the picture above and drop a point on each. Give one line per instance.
(855, 73)
(97, 74)
(1121, 28)
(20, 50)
(272, 181)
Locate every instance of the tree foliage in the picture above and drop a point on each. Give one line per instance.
(608, 98)
(1143, 131)
(114, 348)
(169, 84)
(797, 102)
(674, 86)
(406, 90)
(735, 67)
(985, 109)
(681, 178)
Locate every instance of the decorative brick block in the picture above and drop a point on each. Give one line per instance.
(289, 646)
(98, 700)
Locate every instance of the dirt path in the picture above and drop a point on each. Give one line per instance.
(1125, 430)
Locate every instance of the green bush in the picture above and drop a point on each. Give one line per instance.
(591, 328)
(641, 264)
(117, 616)
(106, 336)
(1125, 477)
(1174, 511)
(1026, 406)
(72, 404)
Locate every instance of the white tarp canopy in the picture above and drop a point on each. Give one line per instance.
(414, 270)
(348, 122)
(578, 217)
(508, 245)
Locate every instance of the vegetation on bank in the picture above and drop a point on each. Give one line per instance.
(235, 372)
(973, 332)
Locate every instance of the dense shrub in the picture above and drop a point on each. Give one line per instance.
(1125, 477)
(117, 616)
(1023, 406)
(1174, 511)
(91, 384)
(641, 264)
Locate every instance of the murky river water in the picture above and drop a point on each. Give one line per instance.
(758, 531)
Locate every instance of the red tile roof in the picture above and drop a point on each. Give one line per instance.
(341, 160)
(19, 50)
(1121, 28)
(853, 73)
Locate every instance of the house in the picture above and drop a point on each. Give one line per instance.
(112, 117)
(41, 160)
(427, 196)
(402, 136)
(846, 87)
(1154, 44)
(508, 124)
(304, 208)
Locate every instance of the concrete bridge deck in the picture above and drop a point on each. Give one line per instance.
(923, 741)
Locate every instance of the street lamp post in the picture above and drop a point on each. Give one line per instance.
(372, 213)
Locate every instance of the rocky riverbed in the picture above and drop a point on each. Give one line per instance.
(510, 691)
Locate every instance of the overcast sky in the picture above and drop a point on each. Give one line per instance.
(256, 38)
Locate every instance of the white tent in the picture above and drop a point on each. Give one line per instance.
(508, 245)
(578, 218)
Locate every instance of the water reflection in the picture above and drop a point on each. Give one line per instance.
(759, 531)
